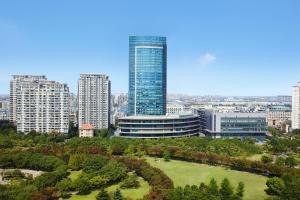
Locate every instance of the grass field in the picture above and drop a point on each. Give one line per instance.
(130, 193)
(184, 173)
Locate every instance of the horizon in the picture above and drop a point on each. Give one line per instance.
(223, 49)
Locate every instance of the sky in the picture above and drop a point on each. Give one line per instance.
(232, 47)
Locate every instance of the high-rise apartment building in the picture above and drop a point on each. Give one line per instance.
(94, 100)
(296, 107)
(147, 75)
(39, 104)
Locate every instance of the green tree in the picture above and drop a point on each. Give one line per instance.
(226, 190)
(275, 186)
(118, 195)
(103, 195)
(76, 161)
(280, 161)
(240, 190)
(213, 187)
(130, 182)
(98, 181)
(290, 161)
(166, 156)
(266, 159)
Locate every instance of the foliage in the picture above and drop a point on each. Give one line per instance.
(285, 188)
(94, 163)
(275, 186)
(118, 195)
(206, 192)
(76, 161)
(28, 160)
(103, 195)
(266, 159)
(290, 161)
(113, 171)
(166, 156)
(130, 182)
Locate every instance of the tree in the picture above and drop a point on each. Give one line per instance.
(213, 187)
(240, 190)
(266, 159)
(226, 190)
(130, 182)
(98, 181)
(76, 161)
(280, 161)
(290, 161)
(166, 156)
(275, 186)
(103, 195)
(118, 195)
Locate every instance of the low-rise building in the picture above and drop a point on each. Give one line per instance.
(233, 124)
(177, 109)
(159, 126)
(86, 130)
(278, 114)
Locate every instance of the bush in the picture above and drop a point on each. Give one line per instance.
(130, 182)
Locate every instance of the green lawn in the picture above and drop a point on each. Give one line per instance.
(130, 193)
(188, 173)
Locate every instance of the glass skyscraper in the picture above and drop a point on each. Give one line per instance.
(147, 75)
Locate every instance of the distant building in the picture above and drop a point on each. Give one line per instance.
(4, 110)
(296, 107)
(177, 109)
(86, 130)
(277, 115)
(233, 125)
(147, 75)
(73, 109)
(37, 104)
(94, 100)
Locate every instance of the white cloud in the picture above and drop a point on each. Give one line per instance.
(207, 58)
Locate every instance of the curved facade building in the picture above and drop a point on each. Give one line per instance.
(147, 75)
(159, 126)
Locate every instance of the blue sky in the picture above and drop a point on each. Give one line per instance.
(231, 47)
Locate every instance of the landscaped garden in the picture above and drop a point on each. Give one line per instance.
(188, 168)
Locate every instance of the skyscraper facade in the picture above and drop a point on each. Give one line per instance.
(147, 75)
(38, 104)
(94, 100)
(296, 107)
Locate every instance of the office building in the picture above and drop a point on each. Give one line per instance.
(147, 94)
(147, 75)
(94, 100)
(233, 124)
(296, 107)
(37, 104)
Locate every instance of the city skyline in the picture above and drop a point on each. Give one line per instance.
(214, 47)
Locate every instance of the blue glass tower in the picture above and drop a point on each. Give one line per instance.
(147, 75)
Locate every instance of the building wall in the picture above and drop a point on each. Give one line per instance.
(38, 104)
(147, 75)
(296, 107)
(159, 126)
(218, 124)
(94, 100)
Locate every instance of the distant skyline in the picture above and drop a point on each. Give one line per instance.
(226, 48)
